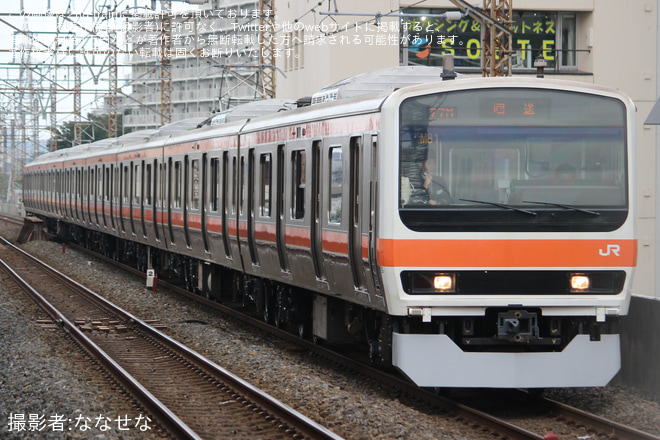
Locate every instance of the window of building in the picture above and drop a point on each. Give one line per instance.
(550, 34)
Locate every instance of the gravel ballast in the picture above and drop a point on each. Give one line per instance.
(37, 379)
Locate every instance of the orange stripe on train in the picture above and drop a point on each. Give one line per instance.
(507, 253)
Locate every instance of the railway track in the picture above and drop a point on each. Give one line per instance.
(572, 422)
(187, 395)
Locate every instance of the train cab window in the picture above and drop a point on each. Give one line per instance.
(147, 184)
(177, 184)
(215, 184)
(299, 167)
(265, 172)
(336, 177)
(194, 189)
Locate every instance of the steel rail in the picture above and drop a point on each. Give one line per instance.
(603, 425)
(507, 429)
(512, 431)
(165, 417)
(286, 414)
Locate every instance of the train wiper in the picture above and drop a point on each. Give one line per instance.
(560, 205)
(500, 205)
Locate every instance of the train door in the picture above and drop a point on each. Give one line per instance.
(76, 193)
(373, 197)
(281, 211)
(116, 197)
(213, 210)
(123, 197)
(133, 201)
(163, 200)
(80, 175)
(113, 195)
(195, 205)
(103, 193)
(186, 200)
(250, 206)
(202, 205)
(170, 200)
(145, 196)
(99, 196)
(355, 214)
(225, 204)
(96, 176)
(315, 226)
(155, 194)
(87, 195)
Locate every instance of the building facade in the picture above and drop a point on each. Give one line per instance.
(213, 63)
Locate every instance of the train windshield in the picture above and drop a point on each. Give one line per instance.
(530, 158)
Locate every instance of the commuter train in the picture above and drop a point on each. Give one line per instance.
(472, 233)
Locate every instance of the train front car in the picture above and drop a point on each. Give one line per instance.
(507, 244)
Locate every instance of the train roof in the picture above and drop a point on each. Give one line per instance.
(388, 79)
(341, 98)
(252, 110)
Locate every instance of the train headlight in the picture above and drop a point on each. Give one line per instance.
(580, 283)
(443, 283)
(428, 283)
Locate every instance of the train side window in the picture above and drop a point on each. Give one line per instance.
(194, 196)
(126, 189)
(234, 182)
(115, 185)
(106, 183)
(85, 183)
(215, 183)
(265, 171)
(336, 176)
(299, 166)
(177, 184)
(99, 183)
(137, 185)
(78, 184)
(243, 188)
(147, 184)
(92, 183)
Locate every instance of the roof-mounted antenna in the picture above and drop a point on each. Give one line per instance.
(448, 67)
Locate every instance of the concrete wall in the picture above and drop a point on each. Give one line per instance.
(640, 345)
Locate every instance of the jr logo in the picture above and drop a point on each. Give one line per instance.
(611, 249)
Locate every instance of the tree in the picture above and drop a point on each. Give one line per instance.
(94, 128)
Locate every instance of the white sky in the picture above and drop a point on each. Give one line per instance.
(43, 28)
